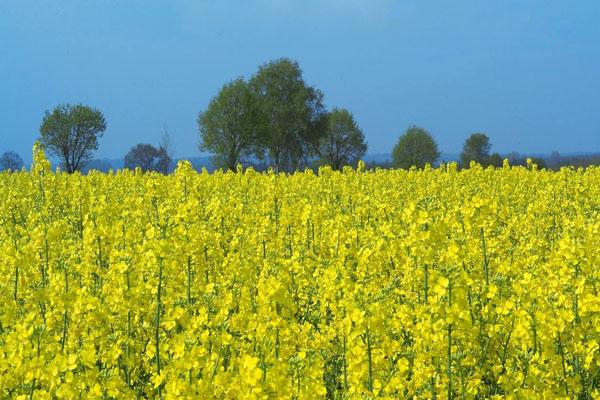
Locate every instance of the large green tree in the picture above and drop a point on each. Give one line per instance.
(416, 147)
(71, 133)
(343, 142)
(293, 113)
(476, 148)
(230, 125)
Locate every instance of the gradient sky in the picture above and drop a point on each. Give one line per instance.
(525, 72)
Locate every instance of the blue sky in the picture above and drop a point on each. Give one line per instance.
(525, 72)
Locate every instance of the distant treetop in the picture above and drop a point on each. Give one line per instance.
(10, 161)
(416, 147)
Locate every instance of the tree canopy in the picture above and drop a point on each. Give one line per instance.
(416, 147)
(10, 161)
(476, 148)
(293, 113)
(343, 142)
(230, 125)
(71, 133)
(148, 158)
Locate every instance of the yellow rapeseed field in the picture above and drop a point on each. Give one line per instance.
(362, 284)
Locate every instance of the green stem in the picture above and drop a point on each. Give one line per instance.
(426, 288)
(505, 346)
(158, 311)
(432, 385)
(277, 343)
(32, 389)
(66, 314)
(564, 370)
(534, 330)
(15, 295)
(449, 345)
(462, 380)
(46, 257)
(345, 367)
(189, 280)
(128, 346)
(485, 259)
(216, 367)
(370, 360)
(64, 335)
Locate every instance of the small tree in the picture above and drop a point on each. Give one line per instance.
(344, 142)
(495, 160)
(476, 148)
(71, 133)
(230, 124)
(416, 147)
(165, 153)
(147, 158)
(10, 161)
(554, 160)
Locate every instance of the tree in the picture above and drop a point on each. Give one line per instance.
(554, 160)
(476, 148)
(343, 142)
(71, 133)
(495, 160)
(10, 161)
(165, 153)
(293, 113)
(515, 159)
(416, 147)
(230, 125)
(147, 158)
(539, 161)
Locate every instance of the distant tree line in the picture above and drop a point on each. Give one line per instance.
(272, 120)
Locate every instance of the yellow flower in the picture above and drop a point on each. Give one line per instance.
(352, 284)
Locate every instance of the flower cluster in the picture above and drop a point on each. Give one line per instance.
(358, 284)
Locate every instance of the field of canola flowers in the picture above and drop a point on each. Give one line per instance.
(353, 285)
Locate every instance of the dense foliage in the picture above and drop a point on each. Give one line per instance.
(275, 115)
(9, 160)
(343, 142)
(416, 147)
(71, 133)
(353, 284)
(231, 125)
(147, 158)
